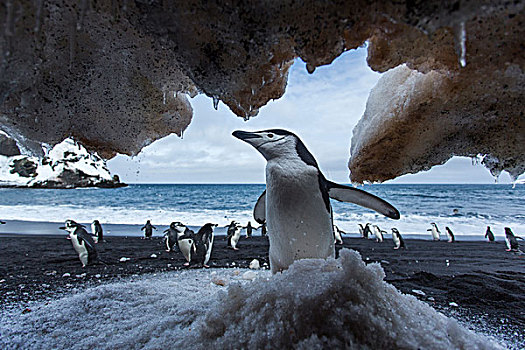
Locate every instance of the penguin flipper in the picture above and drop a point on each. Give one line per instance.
(259, 211)
(353, 195)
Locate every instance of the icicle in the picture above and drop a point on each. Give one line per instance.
(38, 15)
(182, 134)
(215, 102)
(463, 45)
(72, 43)
(83, 9)
(8, 31)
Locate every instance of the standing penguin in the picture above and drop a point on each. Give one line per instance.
(233, 236)
(296, 203)
(489, 235)
(148, 229)
(264, 231)
(204, 244)
(450, 234)
(230, 228)
(435, 231)
(82, 242)
(185, 242)
(2, 222)
(337, 235)
(399, 242)
(96, 230)
(366, 230)
(171, 234)
(511, 240)
(249, 230)
(378, 233)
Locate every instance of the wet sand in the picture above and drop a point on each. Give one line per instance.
(482, 279)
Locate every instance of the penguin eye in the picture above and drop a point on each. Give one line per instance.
(270, 135)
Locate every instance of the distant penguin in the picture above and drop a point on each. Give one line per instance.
(489, 235)
(148, 229)
(399, 242)
(249, 230)
(366, 230)
(96, 230)
(233, 236)
(2, 222)
(264, 231)
(230, 228)
(186, 242)
(450, 234)
(296, 203)
(435, 231)
(378, 233)
(511, 240)
(204, 244)
(171, 234)
(361, 230)
(82, 242)
(337, 235)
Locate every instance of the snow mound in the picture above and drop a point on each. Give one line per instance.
(67, 165)
(315, 304)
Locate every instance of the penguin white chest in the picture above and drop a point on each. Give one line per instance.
(80, 248)
(396, 240)
(299, 222)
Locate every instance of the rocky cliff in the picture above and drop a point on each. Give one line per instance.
(67, 165)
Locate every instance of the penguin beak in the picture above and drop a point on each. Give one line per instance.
(62, 228)
(245, 135)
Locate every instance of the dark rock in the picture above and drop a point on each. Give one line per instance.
(24, 167)
(8, 146)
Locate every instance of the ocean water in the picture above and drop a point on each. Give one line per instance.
(123, 211)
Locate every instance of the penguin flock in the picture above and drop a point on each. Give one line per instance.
(196, 248)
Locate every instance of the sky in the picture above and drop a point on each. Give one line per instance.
(321, 108)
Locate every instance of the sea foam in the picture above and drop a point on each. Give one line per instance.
(315, 304)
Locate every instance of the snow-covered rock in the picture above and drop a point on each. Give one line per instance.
(67, 165)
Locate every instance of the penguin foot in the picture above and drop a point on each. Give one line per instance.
(206, 266)
(186, 264)
(235, 248)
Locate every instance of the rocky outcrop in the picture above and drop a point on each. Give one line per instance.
(116, 74)
(67, 165)
(8, 146)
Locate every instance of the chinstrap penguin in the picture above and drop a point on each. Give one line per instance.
(450, 234)
(296, 202)
(148, 229)
(378, 233)
(511, 240)
(399, 242)
(489, 235)
(249, 229)
(204, 244)
(435, 231)
(82, 242)
(185, 242)
(264, 231)
(234, 234)
(171, 234)
(96, 230)
(337, 235)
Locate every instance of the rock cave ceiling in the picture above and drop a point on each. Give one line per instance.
(116, 74)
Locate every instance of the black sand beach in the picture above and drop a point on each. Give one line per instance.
(483, 282)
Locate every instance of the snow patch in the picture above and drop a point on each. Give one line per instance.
(315, 304)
